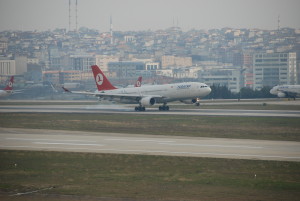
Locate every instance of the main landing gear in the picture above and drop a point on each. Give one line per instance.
(139, 108)
(164, 107)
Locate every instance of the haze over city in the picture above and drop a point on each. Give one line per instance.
(138, 15)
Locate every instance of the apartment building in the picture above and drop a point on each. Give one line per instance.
(274, 69)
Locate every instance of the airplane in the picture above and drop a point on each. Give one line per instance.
(8, 89)
(286, 91)
(187, 92)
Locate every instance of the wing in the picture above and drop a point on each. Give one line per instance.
(79, 92)
(136, 97)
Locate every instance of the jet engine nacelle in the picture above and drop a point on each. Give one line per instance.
(281, 95)
(189, 101)
(147, 101)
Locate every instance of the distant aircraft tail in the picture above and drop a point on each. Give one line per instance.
(9, 86)
(101, 81)
(138, 82)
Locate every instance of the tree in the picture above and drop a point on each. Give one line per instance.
(220, 92)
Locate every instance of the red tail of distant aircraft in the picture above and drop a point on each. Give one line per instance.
(9, 86)
(138, 82)
(8, 89)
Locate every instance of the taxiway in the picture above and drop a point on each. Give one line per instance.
(77, 141)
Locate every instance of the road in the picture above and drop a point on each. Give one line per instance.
(77, 141)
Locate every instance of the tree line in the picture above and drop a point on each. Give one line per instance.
(222, 92)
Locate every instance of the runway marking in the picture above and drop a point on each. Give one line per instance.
(49, 148)
(245, 156)
(30, 192)
(213, 145)
(31, 139)
(135, 140)
(61, 143)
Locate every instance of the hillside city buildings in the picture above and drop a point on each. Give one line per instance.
(234, 58)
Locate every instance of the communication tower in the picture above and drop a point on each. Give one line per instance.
(70, 15)
(111, 32)
(278, 23)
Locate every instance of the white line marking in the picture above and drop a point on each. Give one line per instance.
(212, 145)
(30, 192)
(31, 139)
(61, 143)
(136, 140)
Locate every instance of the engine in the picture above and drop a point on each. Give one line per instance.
(147, 101)
(188, 101)
(281, 95)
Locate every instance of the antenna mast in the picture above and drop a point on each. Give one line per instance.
(278, 25)
(69, 15)
(76, 18)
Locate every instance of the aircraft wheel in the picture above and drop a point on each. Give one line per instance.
(139, 108)
(163, 108)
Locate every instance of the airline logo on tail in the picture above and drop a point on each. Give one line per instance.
(101, 81)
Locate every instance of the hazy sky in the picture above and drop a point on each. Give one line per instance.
(149, 14)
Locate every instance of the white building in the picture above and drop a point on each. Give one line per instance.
(103, 60)
(274, 69)
(7, 68)
(231, 78)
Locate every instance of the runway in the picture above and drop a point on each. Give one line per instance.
(77, 141)
(127, 109)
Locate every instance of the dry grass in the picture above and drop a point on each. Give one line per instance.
(137, 177)
(270, 128)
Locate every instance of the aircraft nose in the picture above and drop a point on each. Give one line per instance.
(273, 91)
(208, 90)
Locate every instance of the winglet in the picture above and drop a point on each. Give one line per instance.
(101, 81)
(9, 86)
(138, 82)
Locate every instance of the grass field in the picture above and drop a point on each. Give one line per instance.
(138, 177)
(270, 128)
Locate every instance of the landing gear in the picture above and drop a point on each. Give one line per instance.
(164, 107)
(140, 108)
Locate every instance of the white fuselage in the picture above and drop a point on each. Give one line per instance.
(286, 90)
(167, 92)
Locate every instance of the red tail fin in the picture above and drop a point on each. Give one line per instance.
(138, 82)
(101, 81)
(9, 86)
